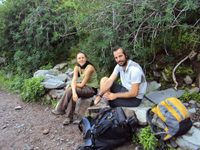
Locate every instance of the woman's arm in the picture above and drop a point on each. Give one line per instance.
(74, 80)
(87, 74)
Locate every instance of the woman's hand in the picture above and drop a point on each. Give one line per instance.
(75, 97)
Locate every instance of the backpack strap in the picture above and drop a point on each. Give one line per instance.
(154, 127)
(85, 127)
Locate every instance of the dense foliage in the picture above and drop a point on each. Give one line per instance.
(32, 89)
(147, 139)
(36, 33)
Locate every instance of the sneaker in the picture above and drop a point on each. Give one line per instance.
(67, 121)
(55, 112)
(77, 121)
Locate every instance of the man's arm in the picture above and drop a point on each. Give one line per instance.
(132, 93)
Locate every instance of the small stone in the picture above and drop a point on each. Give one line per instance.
(186, 104)
(198, 105)
(188, 80)
(194, 90)
(18, 107)
(5, 126)
(45, 131)
(192, 102)
(46, 109)
(52, 137)
(192, 111)
(156, 74)
(138, 148)
(197, 124)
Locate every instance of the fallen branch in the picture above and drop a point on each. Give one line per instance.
(173, 73)
(191, 55)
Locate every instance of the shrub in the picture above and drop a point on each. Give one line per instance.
(32, 89)
(16, 83)
(187, 96)
(46, 67)
(4, 80)
(147, 139)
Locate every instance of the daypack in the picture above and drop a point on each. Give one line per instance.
(169, 118)
(108, 130)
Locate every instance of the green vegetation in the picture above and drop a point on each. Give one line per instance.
(11, 82)
(181, 71)
(32, 89)
(187, 96)
(147, 139)
(39, 34)
(4, 80)
(53, 103)
(36, 33)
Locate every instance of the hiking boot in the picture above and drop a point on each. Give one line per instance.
(67, 121)
(55, 112)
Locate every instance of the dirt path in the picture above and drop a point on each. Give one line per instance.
(23, 129)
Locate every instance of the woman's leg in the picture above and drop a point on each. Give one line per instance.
(84, 92)
(63, 103)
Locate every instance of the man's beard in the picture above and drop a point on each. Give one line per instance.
(123, 64)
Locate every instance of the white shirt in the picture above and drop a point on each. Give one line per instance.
(131, 75)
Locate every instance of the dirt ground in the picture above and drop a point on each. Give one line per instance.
(23, 129)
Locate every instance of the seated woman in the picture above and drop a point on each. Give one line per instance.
(84, 85)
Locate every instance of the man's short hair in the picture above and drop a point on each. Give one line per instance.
(116, 48)
(119, 47)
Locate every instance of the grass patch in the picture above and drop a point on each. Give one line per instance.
(5, 81)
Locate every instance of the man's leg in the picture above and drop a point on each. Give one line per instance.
(102, 90)
(122, 102)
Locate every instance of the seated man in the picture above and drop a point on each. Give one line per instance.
(132, 77)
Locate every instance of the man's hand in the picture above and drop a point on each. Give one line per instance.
(75, 97)
(109, 96)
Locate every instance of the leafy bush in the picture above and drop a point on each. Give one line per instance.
(54, 103)
(147, 139)
(145, 29)
(32, 89)
(17, 82)
(4, 80)
(39, 34)
(187, 96)
(135, 139)
(46, 67)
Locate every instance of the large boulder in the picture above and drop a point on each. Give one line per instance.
(44, 73)
(141, 113)
(152, 86)
(190, 141)
(56, 94)
(53, 82)
(82, 105)
(59, 67)
(158, 96)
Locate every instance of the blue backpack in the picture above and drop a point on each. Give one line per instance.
(108, 130)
